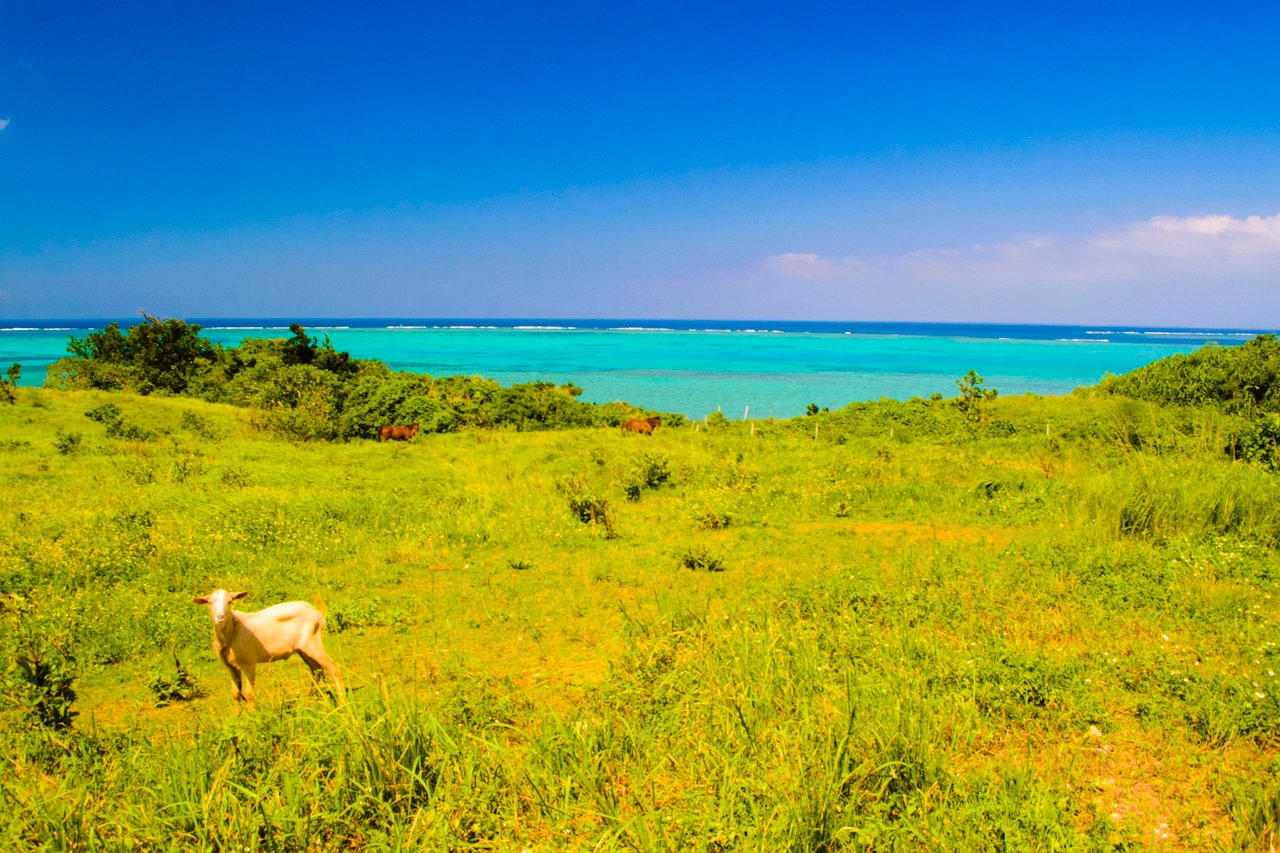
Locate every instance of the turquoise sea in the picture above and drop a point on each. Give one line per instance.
(761, 368)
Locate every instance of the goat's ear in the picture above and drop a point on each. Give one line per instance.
(241, 594)
(204, 599)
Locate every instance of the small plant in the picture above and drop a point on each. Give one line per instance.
(67, 442)
(717, 420)
(973, 399)
(173, 685)
(713, 519)
(110, 416)
(699, 560)
(128, 431)
(519, 565)
(193, 423)
(1001, 428)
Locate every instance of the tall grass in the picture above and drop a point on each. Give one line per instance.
(920, 635)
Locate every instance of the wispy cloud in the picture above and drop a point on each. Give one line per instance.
(1186, 236)
(1159, 247)
(4, 122)
(809, 266)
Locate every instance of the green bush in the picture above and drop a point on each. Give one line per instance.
(649, 471)
(9, 384)
(302, 390)
(41, 673)
(155, 354)
(586, 505)
(1244, 379)
(176, 684)
(67, 442)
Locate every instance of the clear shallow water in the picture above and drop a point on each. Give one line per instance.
(695, 367)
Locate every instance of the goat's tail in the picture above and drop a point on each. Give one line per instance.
(324, 611)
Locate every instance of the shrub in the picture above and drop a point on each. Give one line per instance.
(712, 519)
(67, 442)
(193, 423)
(586, 506)
(110, 416)
(105, 414)
(40, 679)
(649, 471)
(1243, 379)
(156, 354)
(9, 384)
(173, 685)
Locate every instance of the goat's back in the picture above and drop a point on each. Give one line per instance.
(280, 629)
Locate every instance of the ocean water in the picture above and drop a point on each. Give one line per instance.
(759, 369)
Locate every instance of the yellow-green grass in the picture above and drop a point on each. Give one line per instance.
(1061, 638)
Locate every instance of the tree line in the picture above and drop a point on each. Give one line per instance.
(303, 388)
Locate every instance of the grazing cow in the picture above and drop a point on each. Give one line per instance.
(644, 426)
(397, 433)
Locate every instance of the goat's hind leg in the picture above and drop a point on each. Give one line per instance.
(316, 660)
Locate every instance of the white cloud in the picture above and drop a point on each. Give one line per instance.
(1164, 270)
(1158, 248)
(1186, 236)
(4, 122)
(806, 265)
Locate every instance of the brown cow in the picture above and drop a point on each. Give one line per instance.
(397, 433)
(644, 426)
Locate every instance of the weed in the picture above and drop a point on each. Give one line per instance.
(699, 560)
(712, 519)
(233, 476)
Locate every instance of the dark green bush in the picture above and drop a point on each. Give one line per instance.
(1243, 379)
(67, 442)
(155, 354)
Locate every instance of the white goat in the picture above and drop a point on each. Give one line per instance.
(244, 640)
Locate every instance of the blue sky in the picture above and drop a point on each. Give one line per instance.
(1002, 162)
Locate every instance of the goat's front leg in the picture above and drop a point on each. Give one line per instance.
(250, 672)
(236, 692)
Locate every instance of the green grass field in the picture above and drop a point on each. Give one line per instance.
(873, 630)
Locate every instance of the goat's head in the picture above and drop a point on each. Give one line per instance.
(219, 602)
